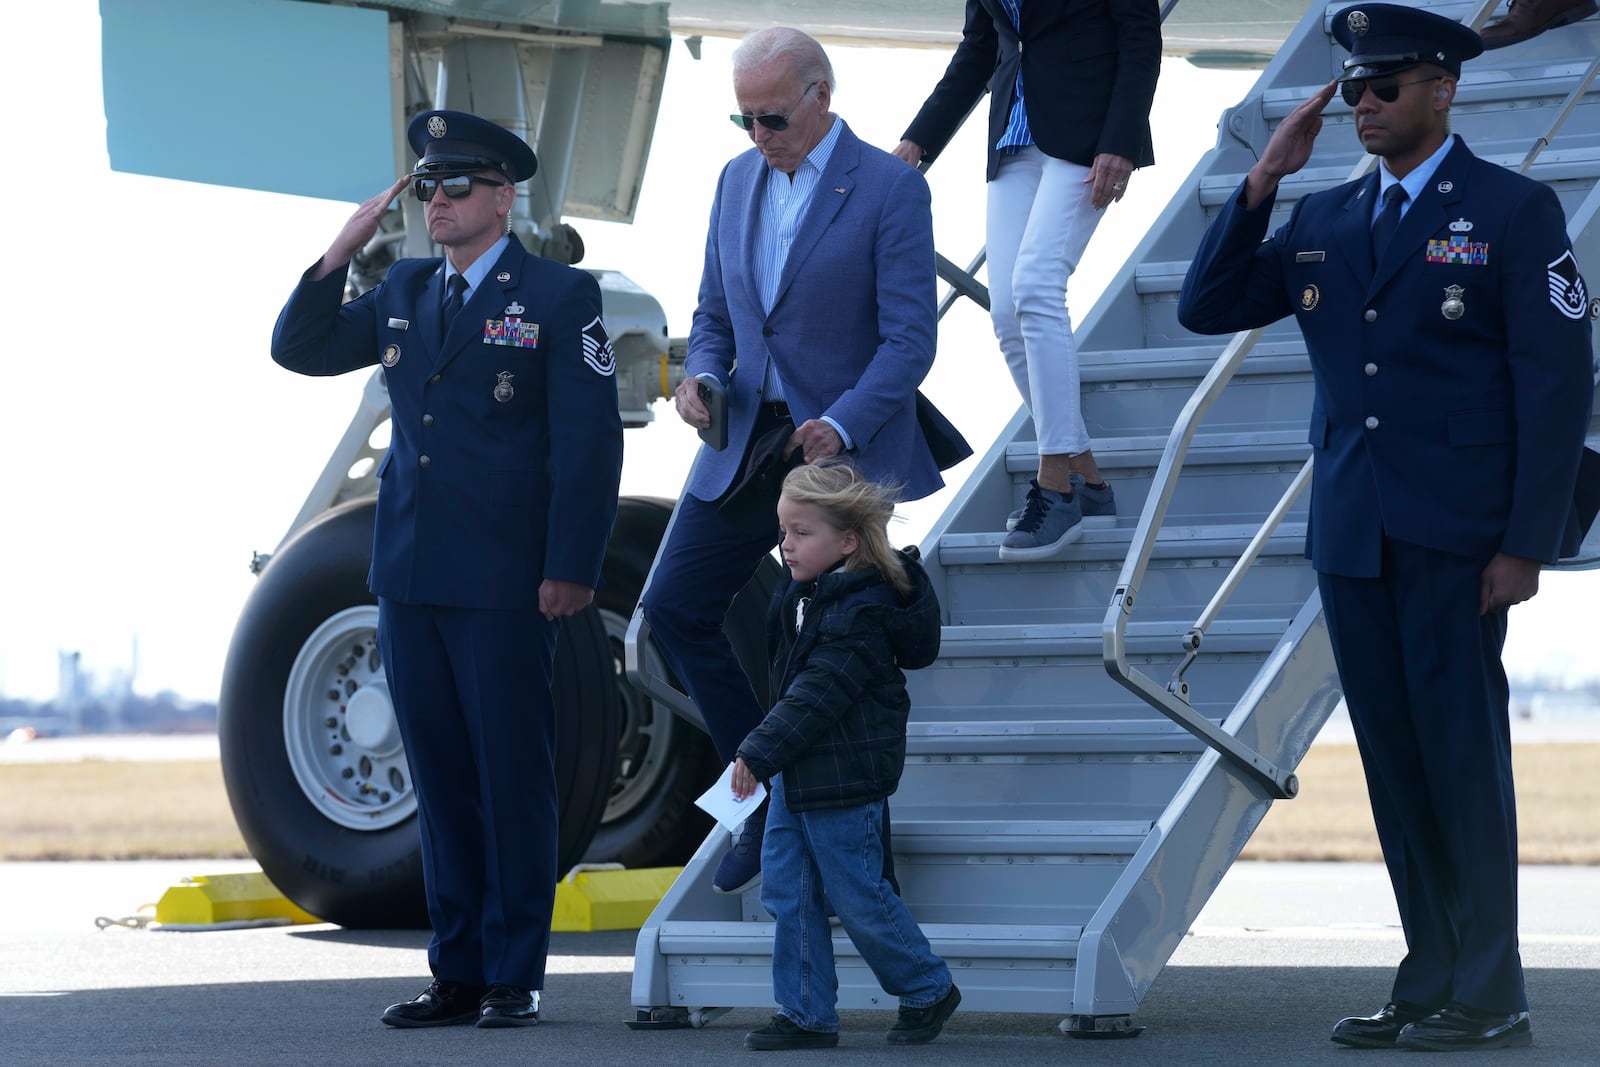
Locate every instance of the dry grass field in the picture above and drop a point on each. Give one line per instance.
(130, 810)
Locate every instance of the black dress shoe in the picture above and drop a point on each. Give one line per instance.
(1380, 1030)
(441, 1004)
(1455, 1027)
(509, 1005)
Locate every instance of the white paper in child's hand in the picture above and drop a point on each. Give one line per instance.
(720, 803)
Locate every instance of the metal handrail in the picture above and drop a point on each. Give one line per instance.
(1172, 701)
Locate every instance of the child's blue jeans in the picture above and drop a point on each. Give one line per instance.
(834, 856)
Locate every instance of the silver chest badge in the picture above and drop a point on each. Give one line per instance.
(503, 391)
(1453, 308)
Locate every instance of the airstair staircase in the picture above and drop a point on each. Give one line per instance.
(1102, 733)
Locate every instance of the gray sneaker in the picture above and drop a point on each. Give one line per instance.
(1099, 506)
(1049, 523)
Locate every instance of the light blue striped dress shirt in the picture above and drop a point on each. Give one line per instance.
(1017, 135)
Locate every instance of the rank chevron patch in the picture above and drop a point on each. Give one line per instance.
(1567, 292)
(597, 351)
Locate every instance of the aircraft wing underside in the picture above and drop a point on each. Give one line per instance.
(1248, 28)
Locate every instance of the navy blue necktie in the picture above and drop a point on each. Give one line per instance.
(1388, 220)
(455, 291)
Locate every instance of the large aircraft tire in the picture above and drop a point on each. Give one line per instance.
(311, 758)
(663, 762)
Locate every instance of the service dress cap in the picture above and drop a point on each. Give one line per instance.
(455, 142)
(1388, 38)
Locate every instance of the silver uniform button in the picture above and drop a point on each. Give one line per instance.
(1371, 315)
(424, 461)
(427, 420)
(1372, 424)
(1371, 369)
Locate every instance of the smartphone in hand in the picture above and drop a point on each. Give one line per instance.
(715, 398)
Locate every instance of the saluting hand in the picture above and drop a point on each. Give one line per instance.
(359, 228)
(558, 599)
(1289, 147)
(816, 439)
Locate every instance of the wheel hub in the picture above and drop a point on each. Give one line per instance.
(339, 729)
(369, 719)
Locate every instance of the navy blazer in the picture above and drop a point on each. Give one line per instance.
(485, 491)
(1089, 70)
(1456, 432)
(853, 328)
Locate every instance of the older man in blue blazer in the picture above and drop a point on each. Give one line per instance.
(817, 316)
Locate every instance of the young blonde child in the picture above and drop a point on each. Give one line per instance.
(852, 616)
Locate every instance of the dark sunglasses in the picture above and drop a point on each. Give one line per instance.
(775, 123)
(455, 187)
(1385, 89)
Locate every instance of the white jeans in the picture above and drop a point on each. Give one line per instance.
(1040, 221)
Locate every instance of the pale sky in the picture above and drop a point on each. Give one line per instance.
(150, 444)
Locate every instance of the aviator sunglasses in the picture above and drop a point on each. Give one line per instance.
(455, 187)
(774, 122)
(1386, 89)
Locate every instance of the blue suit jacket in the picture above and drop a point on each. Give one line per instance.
(482, 496)
(853, 328)
(1458, 434)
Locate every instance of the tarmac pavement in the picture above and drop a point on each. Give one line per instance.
(1280, 953)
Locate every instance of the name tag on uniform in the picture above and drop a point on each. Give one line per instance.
(1310, 257)
(399, 324)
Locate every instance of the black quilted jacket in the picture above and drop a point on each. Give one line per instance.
(838, 733)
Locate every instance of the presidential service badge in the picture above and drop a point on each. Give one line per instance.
(1310, 297)
(1567, 292)
(391, 355)
(597, 351)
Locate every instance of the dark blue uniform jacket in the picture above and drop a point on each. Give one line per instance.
(1457, 427)
(506, 441)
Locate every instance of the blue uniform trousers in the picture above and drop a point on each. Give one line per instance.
(1428, 699)
(471, 691)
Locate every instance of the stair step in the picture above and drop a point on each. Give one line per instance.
(966, 941)
(1041, 837)
(1271, 391)
(1199, 541)
(1190, 361)
(1254, 446)
(1090, 737)
(999, 966)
